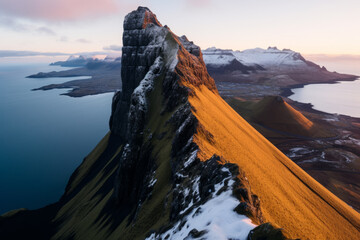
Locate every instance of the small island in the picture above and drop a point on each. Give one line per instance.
(100, 76)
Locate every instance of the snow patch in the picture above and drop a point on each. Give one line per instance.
(298, 151)
(218, 57)
(188, 119)
(350, 140)
(170, 51)
(216, 218)
(146, 85)
(191, 159)
(195, 190)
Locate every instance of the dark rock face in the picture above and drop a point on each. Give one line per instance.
(147, 58)
(208, 175)
(234, 65)
(190, 46)
(137, 57)
(267, 231)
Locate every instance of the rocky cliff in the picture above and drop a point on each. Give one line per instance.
(160, 63)
(179, 163)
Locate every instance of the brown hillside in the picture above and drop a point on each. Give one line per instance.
(273, 113)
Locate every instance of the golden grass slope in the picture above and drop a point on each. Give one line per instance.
(289, 196)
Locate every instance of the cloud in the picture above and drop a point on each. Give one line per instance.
(333, 57)
(14, 53)
(113, 48)
(46, 30)
(17, 26)
(83, 40)
(13, 25)
(58, 10)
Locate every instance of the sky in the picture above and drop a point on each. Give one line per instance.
(329, 27)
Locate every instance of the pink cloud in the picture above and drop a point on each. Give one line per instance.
(57, 10)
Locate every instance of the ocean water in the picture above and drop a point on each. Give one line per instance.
(44, 136)
(340, 98)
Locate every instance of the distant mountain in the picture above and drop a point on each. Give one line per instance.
(225, 61)
(72, 61)
(255, 73)
(266, 58)
(271, 57)
(82, 60)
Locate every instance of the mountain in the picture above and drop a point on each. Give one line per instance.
(180, 163)
(224, 61)
(264, 71)
(272, 57)
(72, 61)
(273, 113)
(81, 60)
(267, 58)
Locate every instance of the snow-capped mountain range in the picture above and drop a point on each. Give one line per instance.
(266, 58)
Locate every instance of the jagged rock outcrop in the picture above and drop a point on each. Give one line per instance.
(268, 231)
(141, 48)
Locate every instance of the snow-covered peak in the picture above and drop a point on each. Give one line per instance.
(112, 57)
(219, 57)
(85, 57)
(270, 57)
(211, 49)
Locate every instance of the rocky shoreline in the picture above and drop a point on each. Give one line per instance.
(99, 77)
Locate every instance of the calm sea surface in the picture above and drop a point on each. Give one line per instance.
(43, 136)
(341, 98)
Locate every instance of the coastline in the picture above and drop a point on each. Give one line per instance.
(287, 91)
(104, 77)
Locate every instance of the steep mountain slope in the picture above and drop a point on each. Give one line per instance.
(289, 197)
(180, 163)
